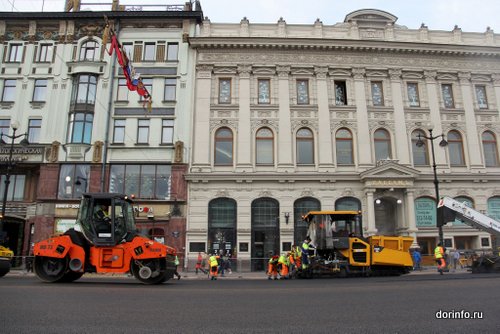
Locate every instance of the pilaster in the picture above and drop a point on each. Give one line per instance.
(364, 146)
(470, 121)
(285, 144)
(403, 154)
(435, 113)
(324, 132)
(244, 134)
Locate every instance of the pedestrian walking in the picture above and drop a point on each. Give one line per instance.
(439, 254)
(456, 259)
(417, 259)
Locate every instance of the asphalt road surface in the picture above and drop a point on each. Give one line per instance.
(407, 304)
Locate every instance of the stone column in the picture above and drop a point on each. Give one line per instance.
(401, 138)
(364, 138)
(324, 132)
(370, 208)
(410, 216)
(244, 135)
(470, 121)
(496, 85)
(435, 117)
(202, 135)
(285, 143)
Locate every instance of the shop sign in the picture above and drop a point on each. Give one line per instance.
(62, 225)
(425, 212)
(21, 154)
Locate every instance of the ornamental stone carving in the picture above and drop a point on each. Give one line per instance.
(464, 77)
(430, 76)
(321, 72)
(244, 71)
(395, 74)
(358, 73)
(283, 71)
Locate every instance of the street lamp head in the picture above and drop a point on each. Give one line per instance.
(419, 142)
(14, 125)
(443, 142)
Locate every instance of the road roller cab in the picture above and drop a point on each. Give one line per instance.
(107, 243)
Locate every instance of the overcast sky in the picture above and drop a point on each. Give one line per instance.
(470, 15)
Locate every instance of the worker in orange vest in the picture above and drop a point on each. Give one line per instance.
(214, 266)
(439, 256)
(283, 266)
(272, 267)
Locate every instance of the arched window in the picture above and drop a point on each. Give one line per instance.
(420, 154)
(223, 147)
(382, 141)
(264, 143)
(222, 225)
(343, 144)
(305, 147)
(300, 208)
(88, 50)
(455, 149)
(494, 207)
(490, 149)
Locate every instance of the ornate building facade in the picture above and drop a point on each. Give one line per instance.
(290, 118)
(87, 131)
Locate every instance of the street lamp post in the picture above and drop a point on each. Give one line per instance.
(10, 164)
(442, 143)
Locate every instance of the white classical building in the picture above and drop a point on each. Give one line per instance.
(289, 118)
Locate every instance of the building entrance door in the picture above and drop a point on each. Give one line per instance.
(385, 216)
(265, 232)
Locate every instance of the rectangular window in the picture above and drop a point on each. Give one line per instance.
(119, 131)
(143, 131)
(225, 91)
(148, 84)
(264, 86)
(149, 52)
(447, 91)
(482, 101)
(40, 90)
(170, 89)
(197, 247)
(340, 93)
(34, 128)
(413, 97)
(377, 93)
(4, 126)
(145, 181)
(485, 242)
(15, 53)
(302, 91)
(9, 90)
(172, 51)
(167, 131)
(122, 91)
(45, 54)
(16, 187)
(73, 180)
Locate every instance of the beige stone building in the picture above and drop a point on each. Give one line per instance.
(289, 118)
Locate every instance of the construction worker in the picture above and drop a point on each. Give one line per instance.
(297, 257)
(439, 256)
(214, 266)
(272, 267)
(283, 266)
(305, 252)
(291, 261)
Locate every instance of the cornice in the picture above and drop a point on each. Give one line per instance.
(342, 45)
